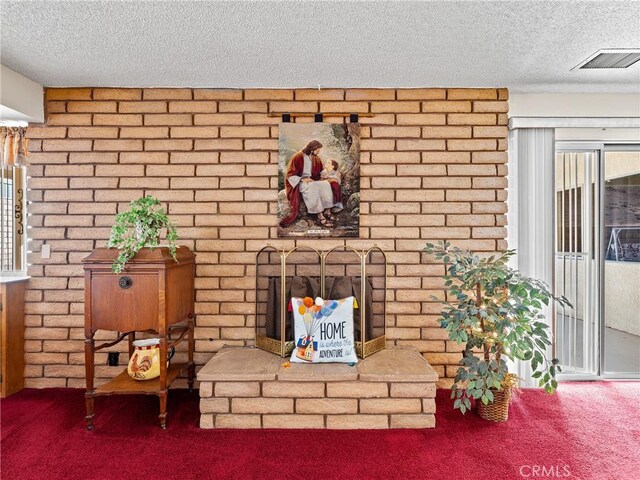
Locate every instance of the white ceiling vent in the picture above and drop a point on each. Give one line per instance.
(610, 58)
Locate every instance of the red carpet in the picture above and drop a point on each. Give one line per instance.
(586, 431)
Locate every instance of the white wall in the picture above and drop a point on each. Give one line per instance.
(607, 135)
(621, 298)
(21, 99)
(574, 105)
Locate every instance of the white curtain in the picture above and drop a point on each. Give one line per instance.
(530, 216)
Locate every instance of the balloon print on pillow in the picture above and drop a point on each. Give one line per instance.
(323, 330)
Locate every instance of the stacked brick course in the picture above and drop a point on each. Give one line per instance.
(433, 167)
(249, 388)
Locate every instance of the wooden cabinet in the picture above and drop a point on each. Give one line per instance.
(153, 294)
(12, 335)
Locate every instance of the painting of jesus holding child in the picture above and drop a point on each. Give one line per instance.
(319, 180)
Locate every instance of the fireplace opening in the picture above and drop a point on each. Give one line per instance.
(336, 273)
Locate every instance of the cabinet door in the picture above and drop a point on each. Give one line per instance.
(124, 302)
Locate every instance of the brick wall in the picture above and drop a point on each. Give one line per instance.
(433, 167)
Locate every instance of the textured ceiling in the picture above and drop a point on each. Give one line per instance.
(528, 46)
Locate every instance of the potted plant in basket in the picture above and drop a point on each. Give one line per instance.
(140, 227)
(494, 311)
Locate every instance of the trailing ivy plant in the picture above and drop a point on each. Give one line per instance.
(494, 311)
(140, 227)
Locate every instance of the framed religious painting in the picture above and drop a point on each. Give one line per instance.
(319, 180)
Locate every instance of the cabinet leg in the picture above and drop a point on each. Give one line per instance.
(88, 400)
(163, 409)
(191, 376)
(89, 350)
(191, 347)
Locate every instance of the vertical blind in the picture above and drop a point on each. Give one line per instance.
(13, 152)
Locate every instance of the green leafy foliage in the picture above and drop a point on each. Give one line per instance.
(494, 311)
(140, 227)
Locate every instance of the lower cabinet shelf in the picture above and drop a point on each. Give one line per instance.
(124, 384)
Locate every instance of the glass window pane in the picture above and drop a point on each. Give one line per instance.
(621, 231)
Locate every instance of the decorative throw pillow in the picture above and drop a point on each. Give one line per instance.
(323, 330)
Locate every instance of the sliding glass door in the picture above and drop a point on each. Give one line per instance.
(597, 260)
(576, 268)
(621, 273)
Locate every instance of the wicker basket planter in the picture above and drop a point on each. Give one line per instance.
(498, 410)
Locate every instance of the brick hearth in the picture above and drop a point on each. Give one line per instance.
(250, 388)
